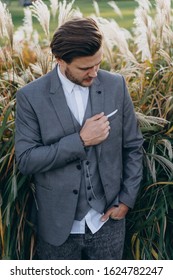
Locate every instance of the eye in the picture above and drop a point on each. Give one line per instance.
(88, 68)
(85, 69)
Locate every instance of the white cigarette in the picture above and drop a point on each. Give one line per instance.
(111, 114)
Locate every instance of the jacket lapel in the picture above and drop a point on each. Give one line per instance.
(97, 97)
(60, 105)
(97, 103)
(62, 110)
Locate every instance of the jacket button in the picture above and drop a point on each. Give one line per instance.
(75, 191)
(78, 167)
(89, 187)
(87, 162)
(90, 198)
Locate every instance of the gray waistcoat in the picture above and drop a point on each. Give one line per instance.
(91, 191)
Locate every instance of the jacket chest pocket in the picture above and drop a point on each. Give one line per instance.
(116, 127)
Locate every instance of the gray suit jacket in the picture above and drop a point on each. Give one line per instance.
(48, 147)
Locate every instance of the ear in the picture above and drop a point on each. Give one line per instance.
(62, 65)
(58, 60)
(61, 62)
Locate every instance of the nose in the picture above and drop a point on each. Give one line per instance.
(93, 72)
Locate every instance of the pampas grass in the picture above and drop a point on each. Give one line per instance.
(43, 64)
(148, 121)
(163, 21)
(41, 12)
(54, 7)
(25, 34)
(66, 12)
(6, 24)
(96, 8)
(144, 30)
(114, 36)
(115, 8)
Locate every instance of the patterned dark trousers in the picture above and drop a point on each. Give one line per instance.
(106, 244)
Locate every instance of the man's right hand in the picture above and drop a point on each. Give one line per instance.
(95, 130)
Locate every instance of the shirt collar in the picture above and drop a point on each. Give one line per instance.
(66, 83)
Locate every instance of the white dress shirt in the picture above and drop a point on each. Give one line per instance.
(92, 218)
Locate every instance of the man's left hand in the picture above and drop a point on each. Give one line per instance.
(116, 213)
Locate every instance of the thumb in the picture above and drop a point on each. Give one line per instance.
(105, 216)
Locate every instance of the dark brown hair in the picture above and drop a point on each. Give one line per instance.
(76, 38)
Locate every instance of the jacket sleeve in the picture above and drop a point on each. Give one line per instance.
(31, 155)
(132, 153)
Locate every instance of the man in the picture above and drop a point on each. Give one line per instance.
(77, 134)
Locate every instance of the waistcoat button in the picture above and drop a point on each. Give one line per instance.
(75, 191)
(78, 167)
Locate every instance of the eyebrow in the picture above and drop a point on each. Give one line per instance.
(86, 68)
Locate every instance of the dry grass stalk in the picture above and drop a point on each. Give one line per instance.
(96, 8)
(54, 7)
(24, 32)
(163, 21)
(41, 12)
(6, 24)
(144, 37)
(43, 64)
(115, 8)
(66, 12)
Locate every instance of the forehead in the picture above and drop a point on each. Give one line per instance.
(88, 61)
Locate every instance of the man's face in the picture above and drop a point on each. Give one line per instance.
(82, 70)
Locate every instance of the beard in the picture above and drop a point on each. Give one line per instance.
(85, 82)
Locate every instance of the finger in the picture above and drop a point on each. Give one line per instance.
(104, 119)
(105, 217)
(107, 130)
(97, 117)
(101, 118)
(108, 125)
